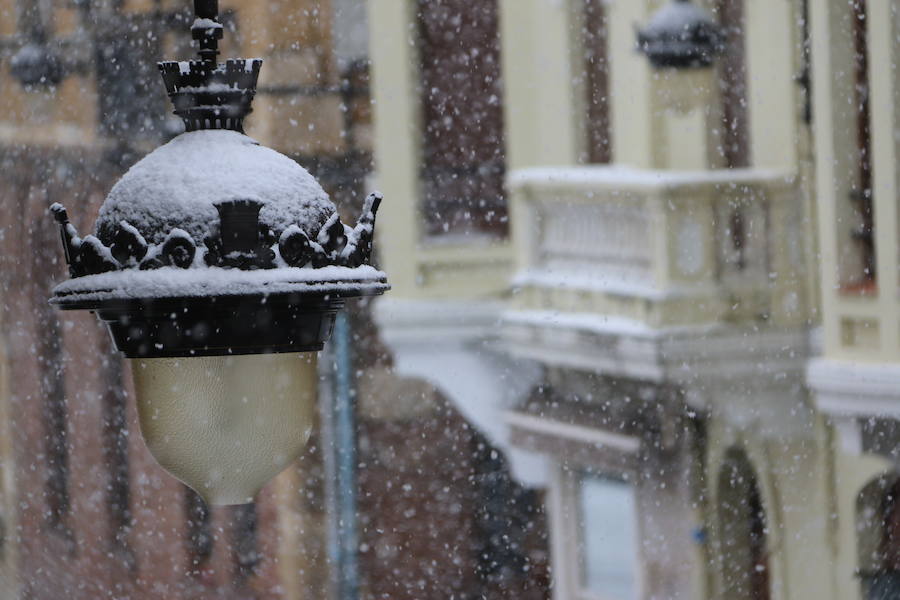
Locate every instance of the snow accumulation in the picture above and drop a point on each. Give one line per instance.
(208, 89)
(675, 16)
(206, 24)
(586, 279)
(179, 184)
(172, 282)
(621, 175)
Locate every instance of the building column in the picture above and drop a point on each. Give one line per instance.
(650, 107)
(398, 134)
(563, 535)
(835, 139)
(772, 90)
(884, 102)
(630, 82)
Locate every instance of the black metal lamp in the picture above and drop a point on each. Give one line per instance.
(681, 35)
(215, 263)
(35, 63)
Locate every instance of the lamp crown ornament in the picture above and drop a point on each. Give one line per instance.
(208, 94)
(681, 35)
(215, 262)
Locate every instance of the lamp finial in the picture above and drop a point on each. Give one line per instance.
(208, 94)
(207, 29)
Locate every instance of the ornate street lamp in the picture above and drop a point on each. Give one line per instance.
(681, 35)
(35, 64)
(682, 41)
(216, 264)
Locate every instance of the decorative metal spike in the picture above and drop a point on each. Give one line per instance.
(266, 236)
(129, 246)
(359, 251)
(333, 236)
(70, 240)
(95, 258)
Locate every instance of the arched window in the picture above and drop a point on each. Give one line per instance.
(742, 531)
(878, 530)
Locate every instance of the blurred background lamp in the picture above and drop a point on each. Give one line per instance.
(219, 267)
(682, 41)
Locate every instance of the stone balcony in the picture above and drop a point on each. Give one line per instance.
(640, 272)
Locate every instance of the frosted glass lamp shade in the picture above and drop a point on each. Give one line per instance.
(226, 425)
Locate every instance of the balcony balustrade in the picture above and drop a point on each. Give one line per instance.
(659, 249)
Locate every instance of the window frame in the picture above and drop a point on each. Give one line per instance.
(618, 462)
(583, 593)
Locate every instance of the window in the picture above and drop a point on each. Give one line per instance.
(463, 159)
(609, 539)
(862, 232)
(878, 538)
(596, 71)
(735, 137)
(743, 531)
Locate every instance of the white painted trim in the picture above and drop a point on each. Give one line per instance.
(618, 177)
(567, 280)
(849, 434)
(845, 388)
(629, 348)
(598, 438)
(436, 321)
(600, 323)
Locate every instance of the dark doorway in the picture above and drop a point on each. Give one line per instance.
(878, 524)
(743, 531)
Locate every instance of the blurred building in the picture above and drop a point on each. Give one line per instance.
(84, 510)
(663, 293)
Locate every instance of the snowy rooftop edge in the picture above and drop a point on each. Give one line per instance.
(172, 282)
(643, 178)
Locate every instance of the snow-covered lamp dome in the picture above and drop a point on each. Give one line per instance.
(181, 183)
(217, 263)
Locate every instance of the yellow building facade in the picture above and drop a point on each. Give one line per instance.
(706, 320)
